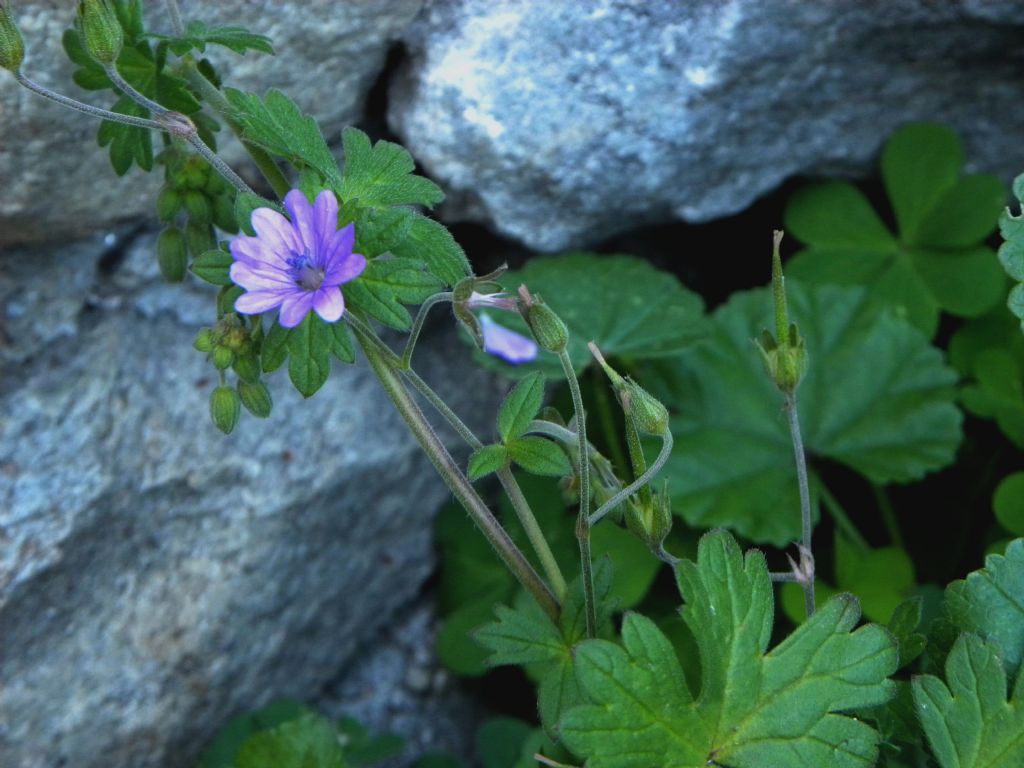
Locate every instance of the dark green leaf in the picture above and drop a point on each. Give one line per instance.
(499, 741)
(308, 741)
(364, 749)
(430, 242)
(213, 267)
(1008, 503)
(455, 646)
(903, 624)
(198, 35)
(275, 348)
(520, 407)
(381, 231)
(309, 347)
(387, 284)
(920, 163)
(279, 126)
(755, 708)
(876, 398)
(880, 578)
(127, 143)
(965, 215)
(222, 750)
(833, 215)
(657, 316)
(968, 720)
(486, 460)
(539, 456)
(382, 174)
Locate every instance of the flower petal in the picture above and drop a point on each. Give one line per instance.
(329, 304)
(276, 232)
(342, 270)
(256, 252)
(255, 302)
(295, 307)
(508, 345)
(259, 279)
(325, 217)
(338, 245)
(301, 213)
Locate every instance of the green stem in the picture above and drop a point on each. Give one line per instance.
(460, 486)
(583, 521)
(639, 483)
(88, 109)
(508, 481)
(806, 556)
(639, 461)
(606, 416)
(892, 526)
(217, 101)
(417, 326)
(841, 518)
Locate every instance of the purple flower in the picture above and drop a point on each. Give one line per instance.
(296, 265)
(506, 344)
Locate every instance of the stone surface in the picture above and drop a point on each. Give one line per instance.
(399, 686)
(562, 123)
(57, 182)
(157, 577)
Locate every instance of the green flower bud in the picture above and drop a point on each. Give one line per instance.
(224, 213)
(204, 340)
(195, 173)
(247, 366)
(171, 255)
(222, 358)
(225, 407)
(548, 328)
(168, 203)
(101, 31)
(785, 363)
(198, 206)
(12, 47)
(256, 398)
(200, 237)
(647, 412)
(650, 522)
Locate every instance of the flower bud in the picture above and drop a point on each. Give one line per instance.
(198, 206)
(648, 413)
(247, 367)
(224, 213)
(256, 398)
(650, 522)
(222, 358)
(204, 340)
(101, 32)
(168, 203)
(171, 255)
(200, 238)
(548, 328)
(224, 408)
(785, 363)
(12, 47)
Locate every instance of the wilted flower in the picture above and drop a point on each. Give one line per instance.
(508, 345)
(296, 265)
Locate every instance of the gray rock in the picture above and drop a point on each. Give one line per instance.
(562, 123)
(59, 183)
(157, 577)
(399, 686)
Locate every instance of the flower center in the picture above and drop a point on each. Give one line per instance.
(306, 274)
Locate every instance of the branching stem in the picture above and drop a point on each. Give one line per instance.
(638, 483)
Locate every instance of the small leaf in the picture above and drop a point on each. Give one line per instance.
(309, 346)
(486, 460)
(274, 351)
(968, 720)
(381, 231)
(539, 456)
(835, 214)
(903, 624)
(431, 242)
(920, 162)
(385, 285)
(221, 752)
(1008, 503)
(213, 267)
(880, 578)
(278, 125)
(382, 174)
(198, 35)
(455, 645)
(521, 407)
(309, 741)
(965, 215)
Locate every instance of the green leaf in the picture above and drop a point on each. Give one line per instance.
(127, 143)
(222, 750)
(308, 741)
(657, 317)
(499, 741)
(1011, 252)
(967, 283)
(278, 125)
(382, 174)
(920, 163)
(486, 460)
(520, 407)
(198, 35)
(990, 603)
(213, 267)
(525, 635)
(274, 350)
(455, 645)
(755, 708)
(834, 214)
(385, 285)
(876, 398)
(470, 571)
(965, 215)
(363, 748)
(380, 231)
(430, 242)
(1008, 503)
(539, 456)
(903, 624)
(309, 347)
(880, 578)
(633, 565)
(340, 342)
(968, 720)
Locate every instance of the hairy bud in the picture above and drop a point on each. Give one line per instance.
(12, 47)
(256, 398)
(648, 413)
(171, 254)
(101, 32)
(548, 328)
(225, 407)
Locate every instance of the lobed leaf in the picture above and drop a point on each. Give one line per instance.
(381, 174)
(520, 407)
(199, 34)
(386, 285)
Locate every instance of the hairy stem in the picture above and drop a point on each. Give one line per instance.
(607, 418)
(806, 556)
(88, 109)
(583, 521)
(639, 461)
(639, 483)
(417, 326)
(459, 484)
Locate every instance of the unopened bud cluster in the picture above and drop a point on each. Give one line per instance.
(650, 521)
(784, 355)
(229, 345)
